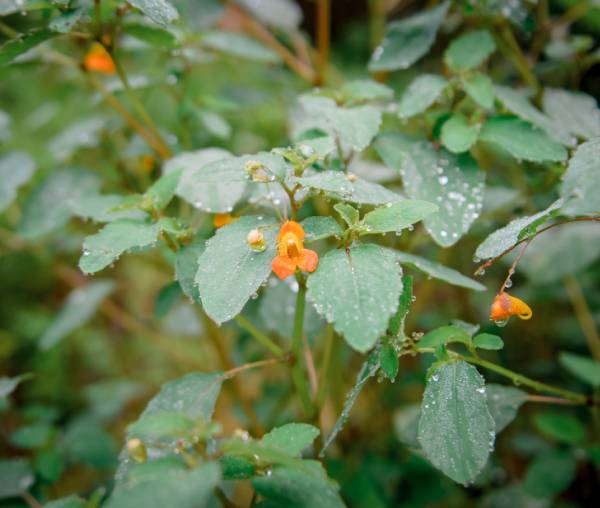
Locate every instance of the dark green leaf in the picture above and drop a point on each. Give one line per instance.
(503, 403)
(317, 228)
(16, 169)
(388, 361)
(444, 335)
(15, 47)
(550, 473)
(397, 216)
(582, 367)
(562, 427)
(15, 477)
(469, 50)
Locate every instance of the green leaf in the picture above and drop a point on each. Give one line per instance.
(388, 361)
(562, 427)
(183, 489)
(365, 90)
(291, 438)
(397, 216)
(469, 50)
(32, 436)
(521, 140)
(396, 324)
(193, 396)
(298, 487)
(277, 307)
(236, 468)
(444, 335)
(48, 206)
(105, 247)
(340, 187)
(23, 43)
(575, 112)
(103, 207)
(160, 425)
(423, 91)
(15, 477)
(80, 306)
(581, 185)
(152, 35)
(550, 473)
(560, 252)
(480, 88)
(348, 213)
(71, 501)
(16, 169)
(84, 133)
(581, 367)
(10, 384)
(454, 183)
(517, 103)
(438, 271)
(407, 40)
(285, 15)
(488, 341)
(230, 271)
(504, 238)
(214, 123)
(503, 403)
(240, 46)
(159, 11)
(66, 21)
(456, 430)
(357, 290)
(160, 193)
(317, 228)
(368, 369)
(457, 134)
(186, 266)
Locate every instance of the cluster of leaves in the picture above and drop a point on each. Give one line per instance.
(449, 137)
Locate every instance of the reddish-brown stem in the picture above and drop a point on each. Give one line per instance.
(323, 38)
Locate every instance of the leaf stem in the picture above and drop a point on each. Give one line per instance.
(254, 365)
(298, 368)
(245, 324)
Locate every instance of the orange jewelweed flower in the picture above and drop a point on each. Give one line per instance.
(291, 252)
(97, 59)
(505, 306)
(222, 219)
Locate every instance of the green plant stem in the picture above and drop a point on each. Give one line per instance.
(323, 35)
(298, 368)
(513, 51)
(325, 365)
(584, 315)
(519, 379)
(377, 18)
(245, 323)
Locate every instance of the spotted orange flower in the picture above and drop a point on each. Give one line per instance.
(291, 252)
(505, 306)
(97, 59)
(222, 219)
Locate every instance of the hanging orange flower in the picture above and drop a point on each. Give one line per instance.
(222, 219)
(97, 59)
(505, 306)
(291, 252)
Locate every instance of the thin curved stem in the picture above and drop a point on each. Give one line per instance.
(245, 323)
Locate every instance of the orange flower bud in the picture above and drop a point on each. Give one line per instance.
(505, 306)
(222, 219)
(292, 254)
(97, 59)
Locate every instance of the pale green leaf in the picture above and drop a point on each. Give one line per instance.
(444, 335)
(454, 183)
(560, 252)
(66, 21)
(84, 133)
(406, 425)
(348, 213)
(365, 90)
(283, 14)
(456, 430)
(581, 184)
(106, 246)
(338, 185)
(183, 489)
(71, 501)
(397, 216)
(16, 169)
(292, 438)
(521, 140)
(317, 228)
(161, 12)
(438, 271)
(102, 207)
(488, 341)
(582, 367)
(457, 134)
(80, 306)
(577, 113)
(407, 40)
(504, 238)
(469, 50)
(186, 266)
(15, 477)
(240, 46)
(230, 271)
(162, 425)
(215, 124)
(152, 35)
(48, 206)
(160, 193)
(480, 88)
(357, 290)
(503, 403)
(420, 94)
